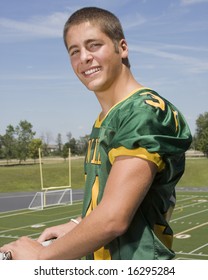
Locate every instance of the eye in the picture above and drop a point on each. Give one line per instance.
(73, 52)
(94, 46)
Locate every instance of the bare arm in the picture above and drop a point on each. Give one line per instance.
(128, 183)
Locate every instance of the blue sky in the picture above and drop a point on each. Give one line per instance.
(168, 42)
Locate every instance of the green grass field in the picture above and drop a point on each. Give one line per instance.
(189, 220)
(190, 225)
(27, 177)
(195, 174)
(31, 223)
(55, 173)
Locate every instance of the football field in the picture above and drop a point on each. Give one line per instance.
(190, 225)
(32, 222)
(189, 222)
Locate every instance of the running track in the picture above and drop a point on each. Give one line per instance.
(21, 200)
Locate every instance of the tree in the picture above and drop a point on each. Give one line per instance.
(82, 144)
(34, 146)
(65, 150)
(69, 136)
(59, 143)
(201, 137)
(1, 148)
(24, 135)
(73, 146)
(8, 143)
(46, 139)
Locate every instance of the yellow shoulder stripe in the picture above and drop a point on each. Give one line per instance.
(138, 152)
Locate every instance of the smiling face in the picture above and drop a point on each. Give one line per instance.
(94, 58)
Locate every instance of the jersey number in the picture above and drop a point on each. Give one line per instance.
(159, 103)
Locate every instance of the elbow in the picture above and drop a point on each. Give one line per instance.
(115, 227)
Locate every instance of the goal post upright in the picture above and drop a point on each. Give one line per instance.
(41, 169)
(69, 160)
(46, 194)
(41, 174)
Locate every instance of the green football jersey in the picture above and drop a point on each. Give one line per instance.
(147, 126)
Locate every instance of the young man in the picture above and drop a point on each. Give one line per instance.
(134, 160)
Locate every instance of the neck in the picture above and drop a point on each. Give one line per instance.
(118, 91)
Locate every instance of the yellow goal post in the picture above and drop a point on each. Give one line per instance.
(53, 195)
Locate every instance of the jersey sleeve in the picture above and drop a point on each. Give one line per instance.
(150, 132)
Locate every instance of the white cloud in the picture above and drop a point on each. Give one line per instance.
(128, 23)
(35, 27)
(195, 65)
(190, 2)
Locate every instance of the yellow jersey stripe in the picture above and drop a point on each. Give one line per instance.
(138, 152)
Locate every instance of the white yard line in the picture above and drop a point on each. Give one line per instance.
(199, 248)
(190, 229)
(189, 254)
(189, 205)
(30, 211)
(187, 198)
(189, 215)
(28, 226)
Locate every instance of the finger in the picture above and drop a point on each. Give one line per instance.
(6, 247)
(46, 236)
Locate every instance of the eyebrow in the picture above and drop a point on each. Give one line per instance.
(71, 47)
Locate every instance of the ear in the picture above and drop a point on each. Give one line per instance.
(123, 48)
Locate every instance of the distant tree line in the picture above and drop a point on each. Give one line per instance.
(20, 143)
(200, 139)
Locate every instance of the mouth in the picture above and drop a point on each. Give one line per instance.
(91, 71)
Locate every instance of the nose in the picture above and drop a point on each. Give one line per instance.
(85, 56)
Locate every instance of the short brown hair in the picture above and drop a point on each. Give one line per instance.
(108, 22)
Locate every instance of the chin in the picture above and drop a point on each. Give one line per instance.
(94, 87)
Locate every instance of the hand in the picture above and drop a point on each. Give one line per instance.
(56, 232)
(23, 249)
